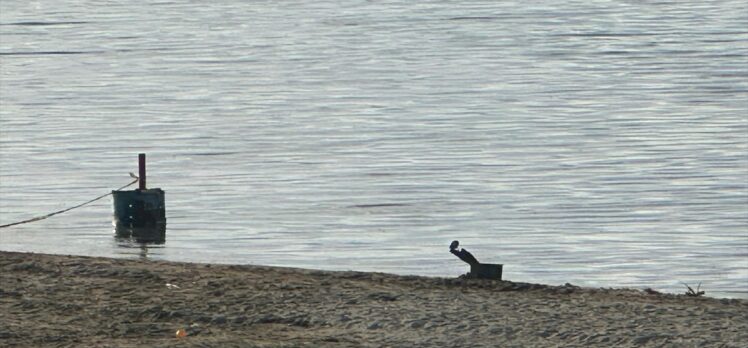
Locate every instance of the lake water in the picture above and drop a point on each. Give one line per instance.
(602, 143)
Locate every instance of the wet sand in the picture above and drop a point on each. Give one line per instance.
(60, 301)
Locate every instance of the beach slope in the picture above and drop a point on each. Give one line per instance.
(57, 301)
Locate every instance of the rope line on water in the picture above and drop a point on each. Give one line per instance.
(67, 209)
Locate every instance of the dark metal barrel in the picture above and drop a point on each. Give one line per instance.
(486, 271)
(140, 215)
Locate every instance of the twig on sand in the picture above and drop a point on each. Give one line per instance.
(692, 293)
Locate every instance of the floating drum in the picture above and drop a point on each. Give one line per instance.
(140, 214)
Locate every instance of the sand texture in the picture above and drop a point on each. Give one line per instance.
(72, 301)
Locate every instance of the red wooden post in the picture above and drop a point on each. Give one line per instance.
(141, 170)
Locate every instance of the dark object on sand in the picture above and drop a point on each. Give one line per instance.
(477, 269)
(140, 214)
(692, 293)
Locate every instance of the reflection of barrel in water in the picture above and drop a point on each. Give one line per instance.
(155, 234)
(140, 215)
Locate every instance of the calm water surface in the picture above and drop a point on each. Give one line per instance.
(602, 143)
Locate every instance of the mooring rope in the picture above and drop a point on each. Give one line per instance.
(68, 209)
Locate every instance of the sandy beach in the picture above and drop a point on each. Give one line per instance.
(74, 301)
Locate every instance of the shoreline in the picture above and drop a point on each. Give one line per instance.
(56, 300)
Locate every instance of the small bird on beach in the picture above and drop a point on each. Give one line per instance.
(463, 254)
